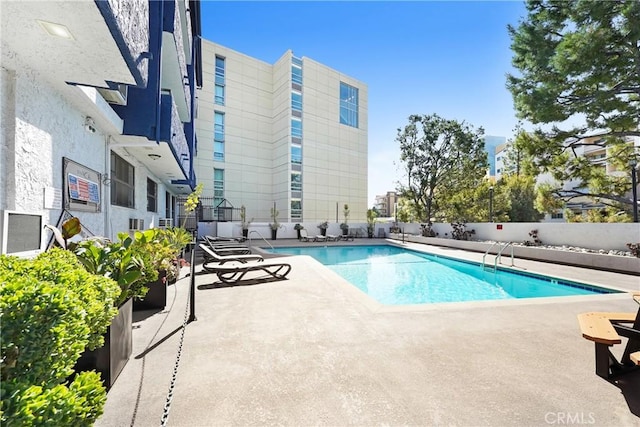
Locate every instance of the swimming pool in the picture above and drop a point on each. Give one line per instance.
(398, 276)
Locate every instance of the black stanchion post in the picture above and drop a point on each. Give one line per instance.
(192, 290)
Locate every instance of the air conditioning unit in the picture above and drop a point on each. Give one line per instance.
(165, 222)
(136, 224)
(115, 95)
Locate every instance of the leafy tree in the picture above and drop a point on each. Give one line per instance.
(521, 194)
(579, 60)
(440, 157)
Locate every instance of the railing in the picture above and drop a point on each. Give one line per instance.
(498, 257)
(261, 236)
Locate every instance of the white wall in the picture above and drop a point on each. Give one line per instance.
(40, 126)
(584, 235)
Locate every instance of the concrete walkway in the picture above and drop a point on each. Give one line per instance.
(314, 350)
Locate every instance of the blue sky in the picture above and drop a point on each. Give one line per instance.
(448, 58)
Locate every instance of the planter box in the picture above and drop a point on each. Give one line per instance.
(111, 358)
(621, 264)
(156, 298)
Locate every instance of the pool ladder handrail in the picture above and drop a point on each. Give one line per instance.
(498, 257)
(261, 236)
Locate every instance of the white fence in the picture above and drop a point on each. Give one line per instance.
(584, 235)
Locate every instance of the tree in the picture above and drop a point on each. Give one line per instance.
(521, 194)
(440, 157)
(580, 61)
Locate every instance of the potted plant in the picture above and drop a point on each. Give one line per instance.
(245, 223)
(274, 224)
(344, 226)
(298, 227)
(323, 227)
(371, 222)
(131, 269)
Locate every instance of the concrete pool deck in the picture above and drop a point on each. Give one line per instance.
(314, 350)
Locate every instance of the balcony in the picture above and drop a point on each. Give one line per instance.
(88, 43)
(176, 54)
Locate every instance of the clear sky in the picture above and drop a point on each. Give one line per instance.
(417, 57)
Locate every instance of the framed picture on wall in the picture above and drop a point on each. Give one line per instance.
(81, 187)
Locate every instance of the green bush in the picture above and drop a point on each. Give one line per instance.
(51, 309)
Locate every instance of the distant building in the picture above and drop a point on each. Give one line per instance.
(387, 204)
(490, 145)
(293, 133)
(499, 162)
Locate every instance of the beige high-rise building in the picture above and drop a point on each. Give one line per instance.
(293, 133)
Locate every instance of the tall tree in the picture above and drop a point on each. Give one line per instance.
(579, 62)
(440, 157)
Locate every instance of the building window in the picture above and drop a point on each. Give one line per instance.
(152, 196)
(296, 155)
(218, 137)
(296, 210)
(218, 186)
(296, 101)
(296, 182)
(296, 74)
(122, 182)
(557, 215)
(296, 128)
(219, 94)
(168, 205)
(219, 81)
(348, 105)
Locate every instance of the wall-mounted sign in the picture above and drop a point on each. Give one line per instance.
(82, 191)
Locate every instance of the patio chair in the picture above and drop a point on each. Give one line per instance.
(228, 248)
(304, 237)
(235, 274)
(211, 257)
(347, 237)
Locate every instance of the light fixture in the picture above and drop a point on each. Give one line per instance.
(89, 125)
(154, 156)
(56, 30)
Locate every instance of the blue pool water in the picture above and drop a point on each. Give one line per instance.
(395, 276)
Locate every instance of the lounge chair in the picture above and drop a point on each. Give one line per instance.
(332, 237)
(304, 237)
(214, 257)
(347, 237)
(228, 249)
(233, 274)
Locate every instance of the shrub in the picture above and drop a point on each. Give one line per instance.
(51, 309)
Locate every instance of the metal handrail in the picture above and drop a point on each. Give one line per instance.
(499, 256)
(486, 252)
(261, 236)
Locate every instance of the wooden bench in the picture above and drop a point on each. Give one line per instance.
(599, 328)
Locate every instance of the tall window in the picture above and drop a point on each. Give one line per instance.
(296, 209)
(296, 155)
(218, 137)
(296, 182)
(218, 186)
(152, 196)
(296, 74)
(348, 105)
(296, 128)
(168, 205)
(122, 182)
(296, 101)
(220, 80)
